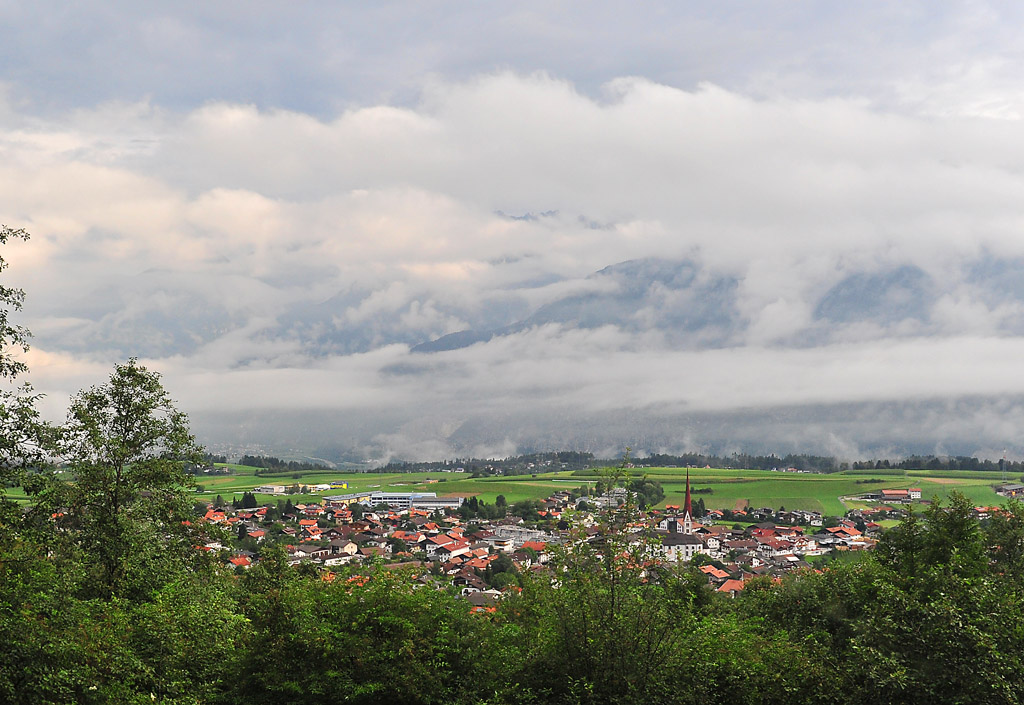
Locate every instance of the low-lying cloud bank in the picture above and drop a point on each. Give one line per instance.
(687, 267)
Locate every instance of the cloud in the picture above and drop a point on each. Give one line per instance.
(782, 254)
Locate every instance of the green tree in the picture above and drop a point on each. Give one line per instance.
(374, 640)
(649, 492)
(22, 435)
(527, 509)
(12, 336)
(1004, 536)
(125, 511)
(927, 618)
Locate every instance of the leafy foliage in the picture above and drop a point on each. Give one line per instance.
(929, 618)
(124, 509)
(12, 336)
(358, 640)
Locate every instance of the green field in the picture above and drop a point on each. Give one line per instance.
(758, 488)
(821, 493)
(244, 479)
(729, 488)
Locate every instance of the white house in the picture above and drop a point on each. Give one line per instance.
(681, 547)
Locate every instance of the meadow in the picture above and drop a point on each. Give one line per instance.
(719, 488)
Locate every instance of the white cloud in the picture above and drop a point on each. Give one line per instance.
(270, 259)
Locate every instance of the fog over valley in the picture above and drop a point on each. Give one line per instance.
(754, 241)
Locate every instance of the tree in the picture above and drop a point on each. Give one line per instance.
(12, 336)
(22, 434)
(649, 492)
(1005, 537)
(125, 511)
(526, 509)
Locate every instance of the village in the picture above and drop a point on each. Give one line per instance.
(450, 538)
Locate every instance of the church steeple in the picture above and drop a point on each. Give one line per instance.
(687, 508)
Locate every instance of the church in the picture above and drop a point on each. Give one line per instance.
(681, 542)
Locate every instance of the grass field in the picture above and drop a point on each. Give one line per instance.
(244, 479)
(820, 493)
(758, 488)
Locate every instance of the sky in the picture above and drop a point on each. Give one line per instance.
(395, 230)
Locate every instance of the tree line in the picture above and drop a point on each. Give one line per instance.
(271, 465)
(581, 462)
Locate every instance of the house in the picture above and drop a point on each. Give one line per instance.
(740, 545)
(412, 539)
(712, 543)
(484, 598)
(731, 587)
(843, 532)
(451, 550)
(714, 574)
(469, 582)
(344, 546)
(772, 547)
(681, 547)
(895, 495)
(748, 561)
(505, 545)
(1010, 490)
(271, 489)
(433, 543)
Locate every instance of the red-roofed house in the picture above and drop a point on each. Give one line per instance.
(896, 495)
(433, 543)
(451, 550)
(713, 572)
(731, 587)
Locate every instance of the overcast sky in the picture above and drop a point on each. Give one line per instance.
(274, 203)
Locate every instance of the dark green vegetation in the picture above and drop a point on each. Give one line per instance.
(534, 462)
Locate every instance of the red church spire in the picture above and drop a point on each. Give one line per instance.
(688, 509)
